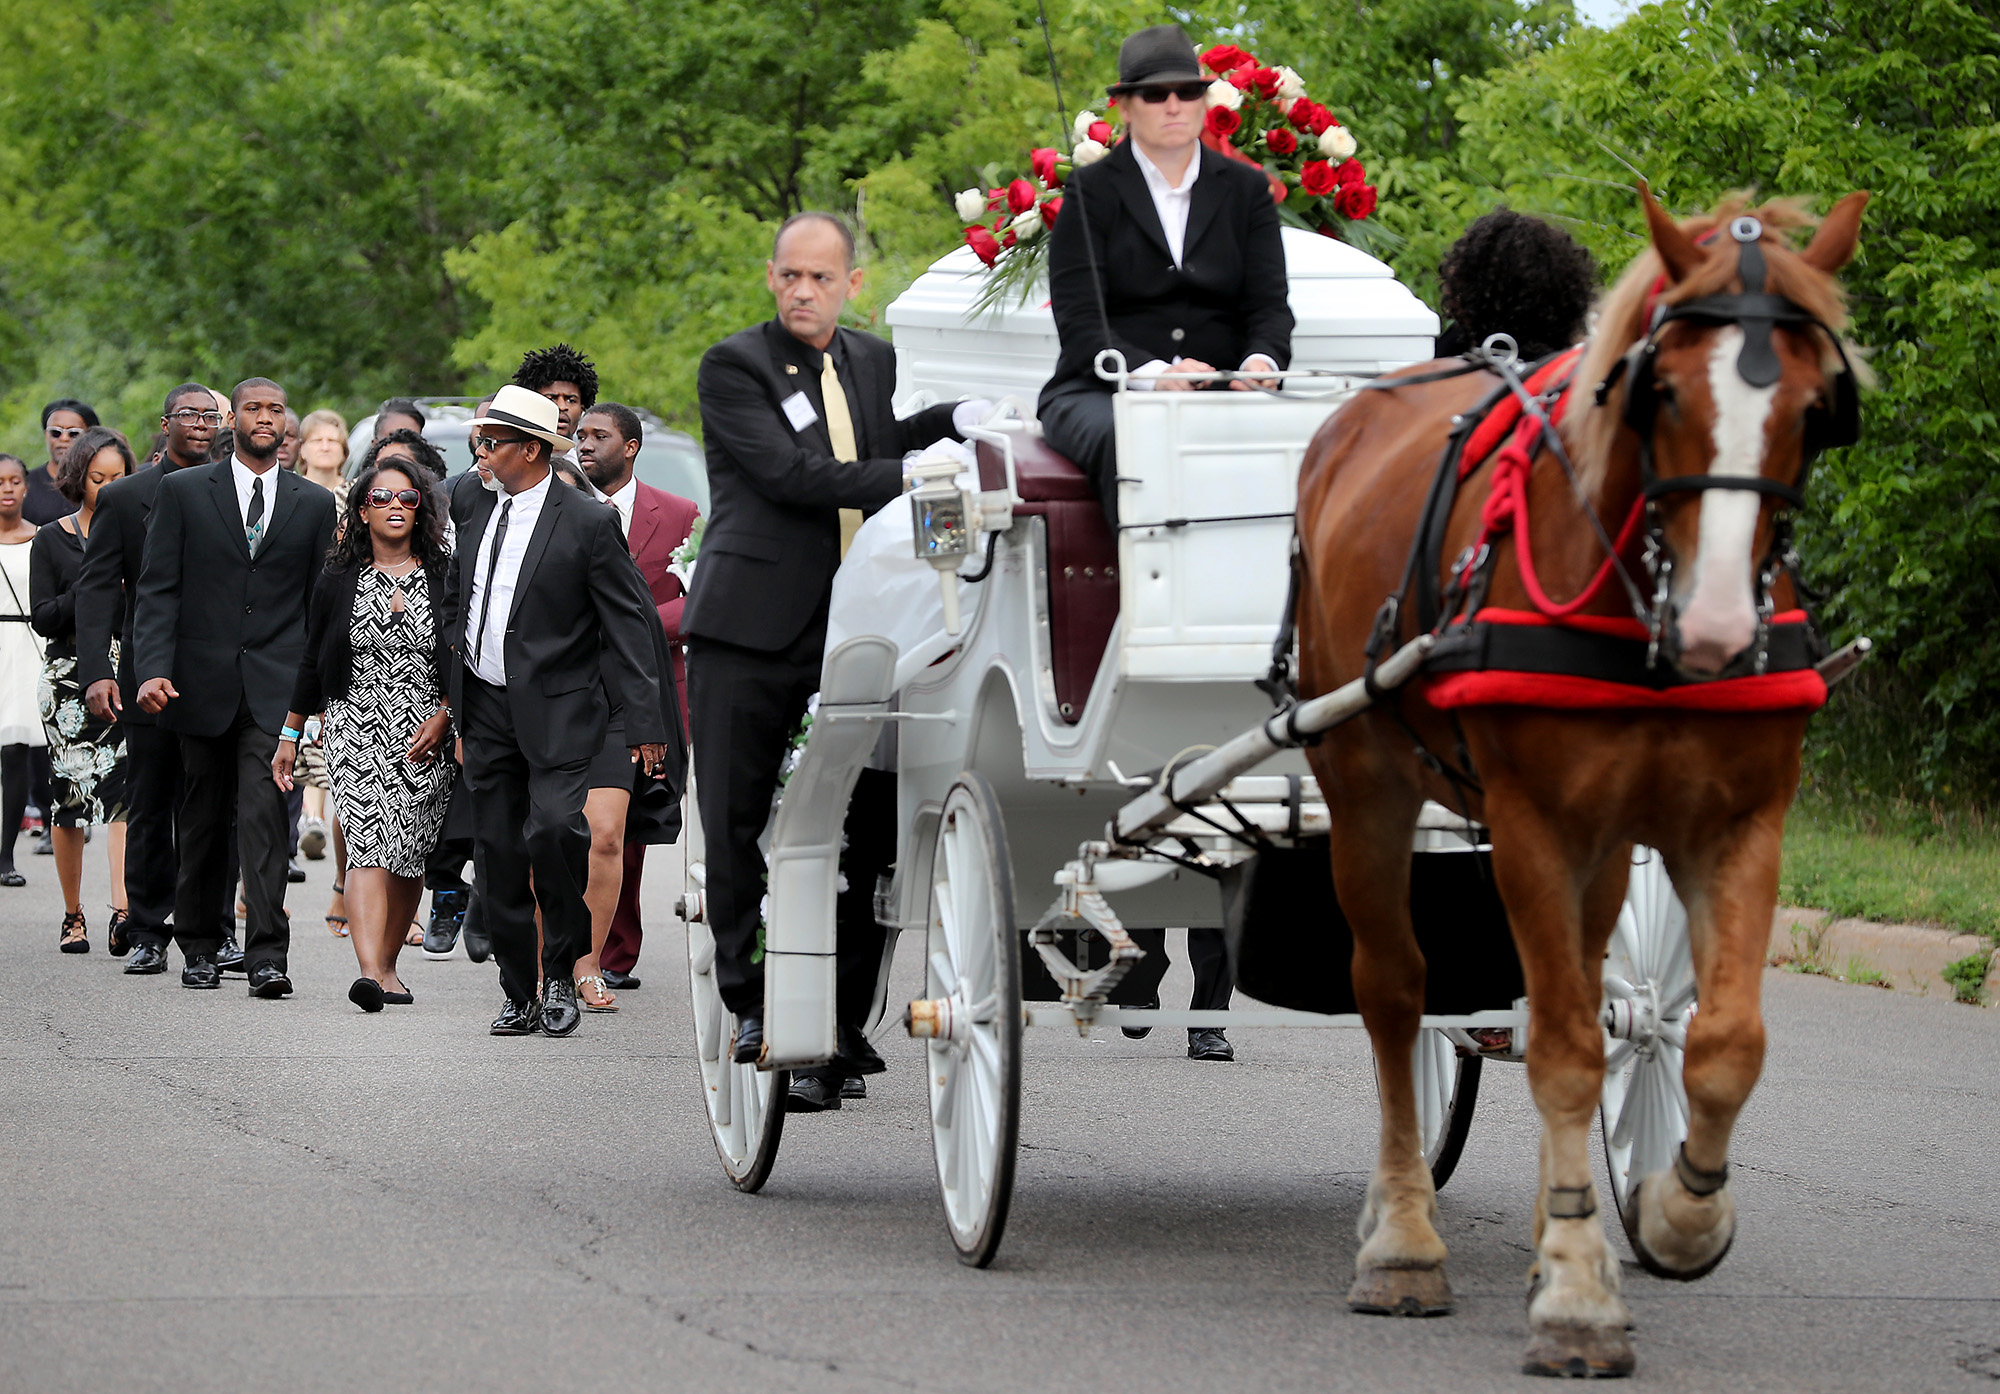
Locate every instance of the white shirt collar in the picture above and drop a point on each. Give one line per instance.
(1157, 180)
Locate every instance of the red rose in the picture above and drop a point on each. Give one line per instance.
(1009, 239)
(1222, 122)
(1223, 57)
(1280, 141)
(1267, 81)
(1321, 119)
(1100, 131)
(1350, 173)
(1020, 196)
(1050, 208)
(1355, 201)
(1044, 161)
(983, 244)
(1317, 178)
(1327, 230)
(1301, 114)
(996, 199)
(1240, 79)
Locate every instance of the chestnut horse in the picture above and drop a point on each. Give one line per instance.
(1566, 793)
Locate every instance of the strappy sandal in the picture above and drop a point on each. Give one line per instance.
(337, 924)
(115, 941)
(593, 996)
(75, 938)
(413, 937)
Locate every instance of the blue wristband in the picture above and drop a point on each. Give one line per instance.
(288, 734)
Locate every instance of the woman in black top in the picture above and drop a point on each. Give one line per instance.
(87, 755)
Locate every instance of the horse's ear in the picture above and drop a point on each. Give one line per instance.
(1677, 250)
(1833, 245)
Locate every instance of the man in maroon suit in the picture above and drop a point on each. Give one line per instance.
(656, 522)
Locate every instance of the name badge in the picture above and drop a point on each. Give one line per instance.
(799, 411)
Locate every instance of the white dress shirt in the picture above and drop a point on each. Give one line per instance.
(246, 479)
(504, 574)
(623, 501)
(1173, 205)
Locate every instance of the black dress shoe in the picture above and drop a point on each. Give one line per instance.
(147, 958)
(856, 1056)
(560, 1013)
(1209, 1044)
(749, 1037)
(116, 942)
(516, 1019)
(200, 972)
(229, 958)
(619, 982)
(478, 947)
(366, 994)
(1139, 1033)
(447, 918)
(812, 1094)
(294, 873)
(269, 980)
(854, 1087)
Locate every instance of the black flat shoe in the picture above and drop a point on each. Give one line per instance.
(402, 998)
(115, 941)
(515, 1019)
(1209, 1044)
(560, 1013)
(856, 1056)
(268, 980)
(147, 959)
(854, 1087)
(812, 1094)
(749, 1037)
(1139, 1033)
(199, 972)
(366, 994)
(73, 937)
(619, 982)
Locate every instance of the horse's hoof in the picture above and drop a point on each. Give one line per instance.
(1665, 1249)
(1401, 1292)
(1565, 1350)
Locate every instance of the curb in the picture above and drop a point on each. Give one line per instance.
(1906, 958)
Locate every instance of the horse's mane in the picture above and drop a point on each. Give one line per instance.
(1621, 314)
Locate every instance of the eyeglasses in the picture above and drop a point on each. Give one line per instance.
(486, 445)
(65, 432)
(188, 416)
(382, 498)
(1186, 91)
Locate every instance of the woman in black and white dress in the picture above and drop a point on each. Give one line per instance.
(374, 663)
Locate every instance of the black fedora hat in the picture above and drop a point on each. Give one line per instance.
(1156, 57)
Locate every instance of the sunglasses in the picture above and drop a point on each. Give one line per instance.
(382, 498)
(188, 416)
(1186, 91)
(65, 432)
(486, 445)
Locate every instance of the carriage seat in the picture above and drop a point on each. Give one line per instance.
(1082, 560)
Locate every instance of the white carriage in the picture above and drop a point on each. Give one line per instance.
(1083, 668)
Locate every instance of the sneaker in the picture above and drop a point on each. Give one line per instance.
(312, 839)
(447, 919)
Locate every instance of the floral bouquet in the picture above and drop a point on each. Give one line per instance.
(1255, 114)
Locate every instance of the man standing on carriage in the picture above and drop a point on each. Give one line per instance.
(801, 442)
(1169, 253)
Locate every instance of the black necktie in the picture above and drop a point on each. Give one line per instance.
(253, 524)
(486, 596)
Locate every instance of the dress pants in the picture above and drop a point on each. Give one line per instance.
(224, 776)
(152, 795)
(524, 817)
(444, 869)
(1077, 423)
(1208, 956)
(621, 945)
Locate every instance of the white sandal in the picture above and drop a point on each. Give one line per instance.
(607, 1000)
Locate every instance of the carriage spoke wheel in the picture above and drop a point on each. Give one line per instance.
(1649, 999)
(973, 977)
(1447, 1087)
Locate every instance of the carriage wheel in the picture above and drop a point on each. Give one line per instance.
(1447, 1088)
(1649, 998)
(974, 982)
(746, 1106)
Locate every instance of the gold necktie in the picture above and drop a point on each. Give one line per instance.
(840, 430)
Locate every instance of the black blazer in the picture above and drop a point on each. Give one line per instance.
(55, 558)
(1224, 302)
(107, 590)
(579, 594)
(328, 665)
(45, 502)
(224, 626)
(773, 538)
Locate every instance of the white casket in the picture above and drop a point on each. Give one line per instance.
(1353, 316)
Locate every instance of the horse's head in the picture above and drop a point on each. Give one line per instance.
(1734, 377)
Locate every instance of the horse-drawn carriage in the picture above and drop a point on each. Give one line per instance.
(1068, 780)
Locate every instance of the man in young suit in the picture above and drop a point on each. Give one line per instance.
(543, 600)
(107, 598)
(799, 432)
(608, 438)
(1184, 244)
(220, 626)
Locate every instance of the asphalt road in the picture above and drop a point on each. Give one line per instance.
(201, 1191)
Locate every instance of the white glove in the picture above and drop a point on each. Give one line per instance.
(969, 413)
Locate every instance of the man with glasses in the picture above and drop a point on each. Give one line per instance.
(107, 593)
(1183, 243)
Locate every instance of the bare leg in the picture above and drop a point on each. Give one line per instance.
(336, 909)
(403, 895)
(368, 921)
(114, 852)
(69, 865)
(315, 804)
(604, 810)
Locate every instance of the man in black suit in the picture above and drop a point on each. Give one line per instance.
(799, 431)
(107, 597)
(543, 600)
(1184, 243)
(220, 626)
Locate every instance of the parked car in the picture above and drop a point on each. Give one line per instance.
(668, 459)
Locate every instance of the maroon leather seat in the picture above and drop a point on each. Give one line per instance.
(1083, 561)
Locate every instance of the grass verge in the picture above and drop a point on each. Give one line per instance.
(1899, 862)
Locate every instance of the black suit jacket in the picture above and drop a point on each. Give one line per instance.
(1226, 301)
(45, 502)
(580, 607)
(107, 590)
(772, 542)
(227, 627)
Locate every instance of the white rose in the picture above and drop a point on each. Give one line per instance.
(1027, 225)
(1290, 85)
(1087, 152)
(971, 205)
(1080, 128)
(1336, 143)
(1224, 94)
